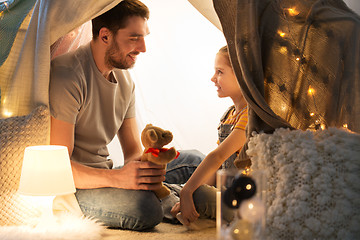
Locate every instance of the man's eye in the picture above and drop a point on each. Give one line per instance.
(134, 39)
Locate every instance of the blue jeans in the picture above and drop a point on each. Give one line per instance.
(140, 210)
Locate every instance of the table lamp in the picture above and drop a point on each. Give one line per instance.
(46, 171)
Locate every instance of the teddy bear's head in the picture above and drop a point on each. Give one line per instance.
(155, 137)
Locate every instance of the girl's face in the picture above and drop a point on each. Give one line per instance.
(224, 78)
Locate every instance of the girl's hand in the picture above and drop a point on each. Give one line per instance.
(175, 209)
(187, 209)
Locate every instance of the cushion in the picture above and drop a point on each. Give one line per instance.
(313, 189)
(16, 133)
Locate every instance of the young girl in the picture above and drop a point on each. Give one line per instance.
(231, 137)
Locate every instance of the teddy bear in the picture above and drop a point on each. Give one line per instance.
(153, 139)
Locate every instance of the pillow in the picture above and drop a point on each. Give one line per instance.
(16, 133)
(313, 189)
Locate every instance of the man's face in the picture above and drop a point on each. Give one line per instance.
(127, 43)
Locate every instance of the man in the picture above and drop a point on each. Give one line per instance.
(91, 100)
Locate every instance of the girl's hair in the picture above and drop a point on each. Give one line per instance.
(225, 52)
(116, 18)
(224, 49)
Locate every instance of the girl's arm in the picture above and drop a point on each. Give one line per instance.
(206, 169)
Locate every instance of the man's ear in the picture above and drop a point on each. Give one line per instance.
(105, 35)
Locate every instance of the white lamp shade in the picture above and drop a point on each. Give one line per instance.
(46, 171)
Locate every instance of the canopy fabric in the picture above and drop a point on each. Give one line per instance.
(205, 7)
(24, 75)
(297, 62)
(10, 23)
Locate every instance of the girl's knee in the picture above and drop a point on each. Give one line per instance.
(205, 201)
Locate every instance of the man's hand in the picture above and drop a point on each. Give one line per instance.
(138, 175)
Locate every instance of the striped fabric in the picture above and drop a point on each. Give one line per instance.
(239, 120)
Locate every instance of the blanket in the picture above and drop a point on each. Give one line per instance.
(312, 190)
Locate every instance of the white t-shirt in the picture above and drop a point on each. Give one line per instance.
(81, 95)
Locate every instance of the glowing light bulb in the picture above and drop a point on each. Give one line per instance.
(312, 114)
(311, 91)
(283, 50)
(322, 126)
(7, 113)
(241, 230)
(297, 59)
(252, 209)
(246, 171)
(345, 125)
(282, 34)
(293, 11)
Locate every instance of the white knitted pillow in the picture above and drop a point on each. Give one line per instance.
(16, 133)
(313, 183)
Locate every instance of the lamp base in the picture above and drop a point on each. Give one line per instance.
(44, 204)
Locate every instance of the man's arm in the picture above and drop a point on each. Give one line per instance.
(134, 175)
(129, 138)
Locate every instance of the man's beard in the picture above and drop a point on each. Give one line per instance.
(114, 51)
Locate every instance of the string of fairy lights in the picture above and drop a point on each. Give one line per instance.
(4, 6)
(318, 121)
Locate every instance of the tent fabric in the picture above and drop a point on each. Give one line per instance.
(205, 7)
(25, 85)
(11, 22)
(297, 62)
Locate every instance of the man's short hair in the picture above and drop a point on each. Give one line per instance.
(116, 18)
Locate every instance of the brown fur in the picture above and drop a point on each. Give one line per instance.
(155, 137)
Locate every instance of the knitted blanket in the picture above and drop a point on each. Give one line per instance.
(312, 186)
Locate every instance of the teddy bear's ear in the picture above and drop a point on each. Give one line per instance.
(151, 135)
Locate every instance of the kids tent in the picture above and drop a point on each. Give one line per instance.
(279, 51)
